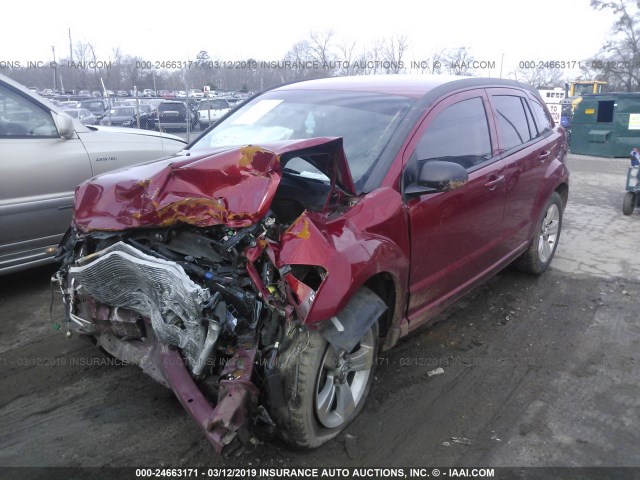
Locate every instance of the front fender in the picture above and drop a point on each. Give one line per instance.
(371, 238)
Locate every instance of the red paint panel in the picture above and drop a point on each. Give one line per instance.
(370, 238)
(232, 187)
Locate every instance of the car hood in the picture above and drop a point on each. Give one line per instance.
(224, 186)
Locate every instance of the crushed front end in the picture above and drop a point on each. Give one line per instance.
(176, 267)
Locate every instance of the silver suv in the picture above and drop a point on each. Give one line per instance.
(44, 154)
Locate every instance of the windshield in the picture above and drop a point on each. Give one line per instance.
(583, 89)
(72, 113)
(365, 121)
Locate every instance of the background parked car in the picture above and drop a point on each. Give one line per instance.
(127, 116)
(211, 110)
(45, 154)
(83, 115)
(150, 115)
(69, 104)
(175, 115)
(97, 106)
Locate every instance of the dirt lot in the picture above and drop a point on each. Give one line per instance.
(537, 372)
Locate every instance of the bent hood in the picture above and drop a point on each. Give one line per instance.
(225, 186)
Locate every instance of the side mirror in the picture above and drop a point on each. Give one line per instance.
(438, 176)
(65, 126)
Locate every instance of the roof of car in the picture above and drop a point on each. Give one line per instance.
(405, 85)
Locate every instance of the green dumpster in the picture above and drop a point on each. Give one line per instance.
(606, 125)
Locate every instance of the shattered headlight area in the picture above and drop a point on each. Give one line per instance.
(204, 311)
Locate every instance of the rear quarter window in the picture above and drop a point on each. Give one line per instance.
(543, 121)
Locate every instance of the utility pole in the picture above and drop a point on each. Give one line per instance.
(55, 70)
(71, 60)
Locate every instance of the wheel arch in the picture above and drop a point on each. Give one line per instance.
(389, 290)
(563, 191)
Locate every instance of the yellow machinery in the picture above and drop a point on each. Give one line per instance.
(577, 88)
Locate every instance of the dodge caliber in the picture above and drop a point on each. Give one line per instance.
(259, 272)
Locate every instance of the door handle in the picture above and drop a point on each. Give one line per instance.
(492, 184)
(543, 156)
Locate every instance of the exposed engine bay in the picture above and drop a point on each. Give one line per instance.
(211, 303)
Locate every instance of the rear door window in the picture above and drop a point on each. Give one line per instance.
(543, 121)
(513, 127)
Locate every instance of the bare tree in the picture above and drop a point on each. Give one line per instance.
(393, 50)
(82, 55)
(369, 61)
(458, 61)
(539, 77)
(299, 60)
(431, 64)
(347, 56)
(320, 48)
(620, 56)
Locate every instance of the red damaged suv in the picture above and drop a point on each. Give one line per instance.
(258, 273)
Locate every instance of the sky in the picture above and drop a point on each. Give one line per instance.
(495, 30)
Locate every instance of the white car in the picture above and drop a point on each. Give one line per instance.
(211, 110)
(44, 154)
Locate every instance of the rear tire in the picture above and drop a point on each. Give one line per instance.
(629, 203)
(537, 258)
(324, 389)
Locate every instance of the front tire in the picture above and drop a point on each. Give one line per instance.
(325, 389)
(629, 203)
(537, 258)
